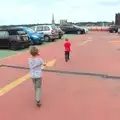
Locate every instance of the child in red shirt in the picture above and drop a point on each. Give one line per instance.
(67, 46)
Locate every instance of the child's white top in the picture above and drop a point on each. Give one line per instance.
(35, 67)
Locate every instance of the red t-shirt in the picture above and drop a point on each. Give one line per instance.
(67, 46)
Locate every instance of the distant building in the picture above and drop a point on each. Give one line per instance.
(63, 22)
(117, 19)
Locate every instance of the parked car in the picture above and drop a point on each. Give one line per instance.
(86, 30)
(114, 28)
(118, 30)
(14, 39)
(50, 32)
(72, 29)
(60, 32)
(35, 37)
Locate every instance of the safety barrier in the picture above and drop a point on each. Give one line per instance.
(97, 28)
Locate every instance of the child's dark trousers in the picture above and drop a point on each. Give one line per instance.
(67, 55)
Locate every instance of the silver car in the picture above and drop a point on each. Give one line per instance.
(60, 32)
(50, 32)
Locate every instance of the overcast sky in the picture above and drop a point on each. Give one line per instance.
(40, 11)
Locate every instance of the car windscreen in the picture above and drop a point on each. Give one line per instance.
(53, 27)
(30, 30)
(76, 26)
(4, 34)
(33, 27)
(21, 32)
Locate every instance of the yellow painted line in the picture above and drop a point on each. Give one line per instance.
(86, 41)
(19, 81)
(13, 84)
(51, 63)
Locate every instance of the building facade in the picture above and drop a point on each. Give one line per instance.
(63, 22)
(117, 19)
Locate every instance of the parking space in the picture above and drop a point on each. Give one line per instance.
(65, 96)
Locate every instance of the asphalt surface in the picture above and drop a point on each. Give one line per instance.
(72, 90)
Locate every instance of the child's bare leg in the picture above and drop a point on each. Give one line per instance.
(38, 90)
(33, 79)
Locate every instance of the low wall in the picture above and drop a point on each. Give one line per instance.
(97, 28)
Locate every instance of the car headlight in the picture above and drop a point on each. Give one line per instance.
(35, 36)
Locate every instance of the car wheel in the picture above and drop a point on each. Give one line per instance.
(13, 46)
(31, 42)
(47, 39)
(111, 31)
(40, 42)
(114, 31)
(27, 46)
(83, 32)
(60, 36)
(78, 32)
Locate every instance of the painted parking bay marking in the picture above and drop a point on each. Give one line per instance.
(114, 41)
(17, 82)
(88, 40)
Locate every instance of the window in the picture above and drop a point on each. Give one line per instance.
(4, 34)
(46, 28)
(30, 30)
(53, 27)
(21, 32)
(13, 32)
(39, 28)
(33, 27)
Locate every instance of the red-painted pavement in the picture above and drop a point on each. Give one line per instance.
(68, 97)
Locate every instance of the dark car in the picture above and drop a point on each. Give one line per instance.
(14, 39)
(72, 29)
(114, 28)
